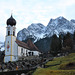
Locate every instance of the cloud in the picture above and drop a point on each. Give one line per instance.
(2, 33)
(66, 2)
(27, 12)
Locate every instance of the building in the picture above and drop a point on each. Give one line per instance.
(15, 48)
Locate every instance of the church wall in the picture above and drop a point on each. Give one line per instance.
(8, 43)
(15, 51)
(14, 46)
(19, 51)
(10, 49)
(7, 59)
(11, 29)
(35, 53)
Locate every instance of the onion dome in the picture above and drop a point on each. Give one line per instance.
(11, 21)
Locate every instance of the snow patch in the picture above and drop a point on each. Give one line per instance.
(38, 31)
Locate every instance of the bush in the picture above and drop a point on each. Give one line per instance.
(69, 65)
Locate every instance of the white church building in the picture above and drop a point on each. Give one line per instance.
(15, 48)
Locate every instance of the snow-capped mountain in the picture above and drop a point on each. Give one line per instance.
(33, 31)
(59, 25)
(23, 34)
(39, 31)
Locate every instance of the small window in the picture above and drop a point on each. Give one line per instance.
(14, 57)
(8, 32)
(32, 53)
(13, 33)
(21, 50)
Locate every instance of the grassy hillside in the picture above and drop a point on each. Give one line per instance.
(59, 66)
(42, 71)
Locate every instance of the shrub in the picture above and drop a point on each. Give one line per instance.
(68, 65)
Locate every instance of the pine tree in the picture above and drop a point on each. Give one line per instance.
(74, 36)
(60, 42)
(55, 45)
(68, 40)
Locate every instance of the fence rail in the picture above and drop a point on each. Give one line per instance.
(16, 72)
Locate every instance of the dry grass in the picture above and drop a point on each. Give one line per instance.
(58, 66)
(42, 71)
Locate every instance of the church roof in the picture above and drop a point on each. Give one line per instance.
(29, 45)
(22, 44)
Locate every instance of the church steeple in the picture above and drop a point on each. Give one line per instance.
(11, 21)
(10, 53)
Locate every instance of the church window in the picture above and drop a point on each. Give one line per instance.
(14, 57)
(13, 33)
(8, 32)
(26, 53)
(21, 50)
(29, 53)
(32, 53)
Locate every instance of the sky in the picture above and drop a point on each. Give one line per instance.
(26, 12)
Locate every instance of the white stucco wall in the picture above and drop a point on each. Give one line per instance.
(11, 29)
(11, 53)
(19, 51)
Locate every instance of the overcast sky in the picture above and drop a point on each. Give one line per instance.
(27, 12)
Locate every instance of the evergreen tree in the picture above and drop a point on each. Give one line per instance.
(74, 36)
(55, 45)
(60, 42)
(68, 40)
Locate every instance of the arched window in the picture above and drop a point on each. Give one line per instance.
(8, 32)
(13, 33)
(21, 50)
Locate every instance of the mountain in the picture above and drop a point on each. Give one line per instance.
(23, 34)
(59, 25)
(38, 31)
(33, 31)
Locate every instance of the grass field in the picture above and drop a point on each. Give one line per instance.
(59, 66)
(42, 71)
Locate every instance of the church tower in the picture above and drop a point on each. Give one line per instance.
(10, 44)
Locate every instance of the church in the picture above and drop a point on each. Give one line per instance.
(15, 48)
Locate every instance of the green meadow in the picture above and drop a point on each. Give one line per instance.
(59, 66)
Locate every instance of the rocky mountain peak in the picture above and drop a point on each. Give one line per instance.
(38, 31)
(37, 27)
(73, 20)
